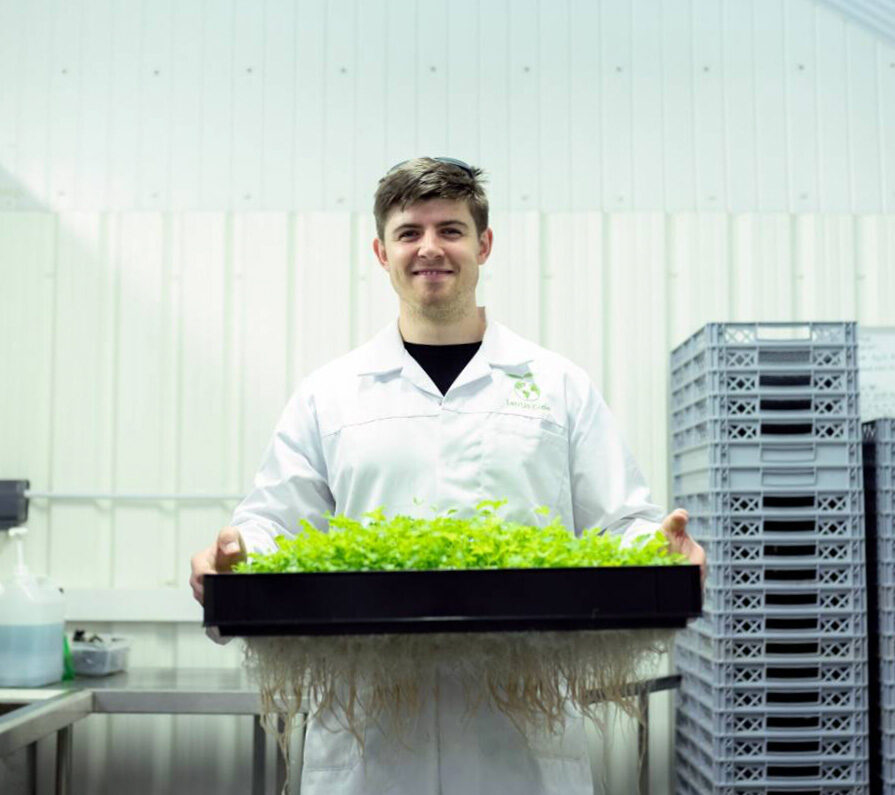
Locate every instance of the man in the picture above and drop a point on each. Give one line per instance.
(442, 409)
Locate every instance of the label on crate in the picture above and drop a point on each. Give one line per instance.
(876, 363)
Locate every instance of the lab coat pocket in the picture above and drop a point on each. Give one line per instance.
(525, 460)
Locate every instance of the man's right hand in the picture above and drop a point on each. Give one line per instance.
(221, 556)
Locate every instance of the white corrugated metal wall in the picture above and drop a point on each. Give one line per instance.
(185, 233)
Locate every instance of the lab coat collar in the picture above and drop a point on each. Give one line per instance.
(502, 348)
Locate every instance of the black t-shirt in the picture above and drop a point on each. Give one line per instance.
(442, 363)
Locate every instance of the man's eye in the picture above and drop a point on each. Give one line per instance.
(452, 232)
(405, 234)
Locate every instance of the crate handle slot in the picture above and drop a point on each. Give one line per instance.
(784, 379)
(793, 747)
(790, 501)
(791, 648)
(789, 477)
(784, 526)
(793, 723)
(780, 575)
(786, 429)
(791, 453)
(785, 404)
(784, 357)
(786, 332)
(789, 599)
(793, 697)
(792, 771)
(790, 550)
(790, 624)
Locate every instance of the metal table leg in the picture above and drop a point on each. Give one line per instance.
(259, 757)
(643, 744)
(299, 760)
(31, 767)
(281, 762)
(63, 759)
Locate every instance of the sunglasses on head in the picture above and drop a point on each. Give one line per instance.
(451, 161)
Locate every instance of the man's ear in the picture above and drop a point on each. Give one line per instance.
(379, 251)
(486, 240)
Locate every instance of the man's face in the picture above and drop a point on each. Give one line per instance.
(432, 253)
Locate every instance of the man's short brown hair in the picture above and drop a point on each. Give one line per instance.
(425, 178)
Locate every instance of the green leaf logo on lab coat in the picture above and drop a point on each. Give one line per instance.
(527, 390)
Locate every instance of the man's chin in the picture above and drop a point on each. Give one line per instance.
(439, 311)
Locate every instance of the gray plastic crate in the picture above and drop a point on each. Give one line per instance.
(767, 478)
(768, 383)
(771, 432)
(887, 650)
(888, 744)
(887, 698)
(794, 410)
(773, 335)
(879, 436)
(687, 365)
(804, 551)
(749, 719)
(882, 478)
(760, 600)
(886, 623)
(778, 698)
(794, 624)
(887, 722)
(767, 359)
(695, 652)
(885, 574)
(887, 676)
(766, 453)
(812, 744)
(773, 503)
(770, 771)
(782, 648)
(690, 653)
(885, 524)
(880, 431)
(884, 500)
(888, 775)
(792, 573)
(690, 779)
(885, 540)
(793, 527)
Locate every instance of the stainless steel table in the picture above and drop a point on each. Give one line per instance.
(185, 691)
(205, 691)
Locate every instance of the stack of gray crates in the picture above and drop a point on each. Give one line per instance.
(879, 484)
(766, 444)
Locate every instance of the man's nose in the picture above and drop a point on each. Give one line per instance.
(430, 248)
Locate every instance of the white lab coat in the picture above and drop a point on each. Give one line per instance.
(371, 429)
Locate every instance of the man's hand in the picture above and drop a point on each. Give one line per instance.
(221, 556)
(675, 528)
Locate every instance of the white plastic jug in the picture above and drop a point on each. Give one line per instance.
(32, 623)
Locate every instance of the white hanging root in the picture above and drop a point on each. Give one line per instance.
(532, 677)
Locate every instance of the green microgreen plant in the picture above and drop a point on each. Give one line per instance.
(482, 541)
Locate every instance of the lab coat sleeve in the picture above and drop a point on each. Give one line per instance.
(291, 482)
(608, 489)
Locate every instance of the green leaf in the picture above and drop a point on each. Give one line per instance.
(480, 541)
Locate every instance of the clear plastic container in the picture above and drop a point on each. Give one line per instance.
(99, 655)
(32, 615)
(32, 625)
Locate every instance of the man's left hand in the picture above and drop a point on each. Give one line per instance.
(675, 528)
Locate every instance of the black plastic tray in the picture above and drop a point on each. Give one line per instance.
(346, 603)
